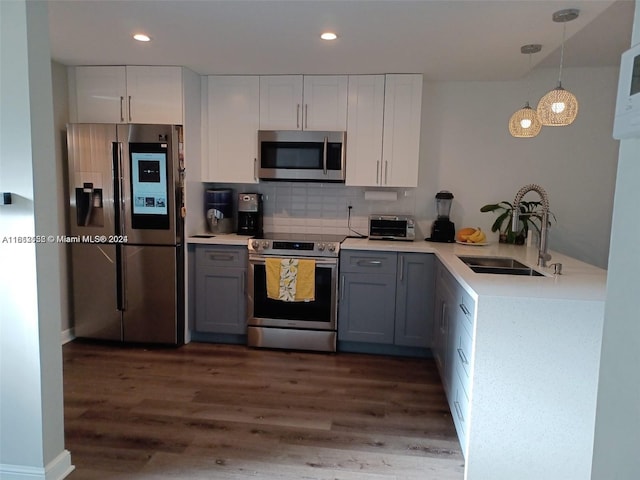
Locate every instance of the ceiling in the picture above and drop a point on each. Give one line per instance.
(445, 40)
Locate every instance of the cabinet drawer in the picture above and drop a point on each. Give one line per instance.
(463, 345)
(221, 256)
(368, 262)
(467, 308)
(459, 404)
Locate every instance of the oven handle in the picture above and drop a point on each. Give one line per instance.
(261, 260)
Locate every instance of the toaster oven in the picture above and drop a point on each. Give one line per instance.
(392, 227)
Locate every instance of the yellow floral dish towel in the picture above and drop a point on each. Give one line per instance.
(290, 279)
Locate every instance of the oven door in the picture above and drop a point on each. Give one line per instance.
(319, 314)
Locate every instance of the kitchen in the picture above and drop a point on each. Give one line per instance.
(441, 141)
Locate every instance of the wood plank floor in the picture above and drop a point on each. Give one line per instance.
(207, 411)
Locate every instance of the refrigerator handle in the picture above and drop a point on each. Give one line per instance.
(121, 202)
(120, 276)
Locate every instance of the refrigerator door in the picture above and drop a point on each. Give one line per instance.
(152, 294)
(95, 302)
(151, 184)
(92, 151)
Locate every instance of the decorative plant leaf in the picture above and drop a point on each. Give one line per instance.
(530, 216)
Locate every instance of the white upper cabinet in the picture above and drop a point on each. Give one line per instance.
(401, 137)
(325, 102)
(297, 102)
(364, 130)
(231, 129)
(131, 94)
(383, 131)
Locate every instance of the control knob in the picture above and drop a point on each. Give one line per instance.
(255, 244)
(332, 247)
(265, 244)
(321, 247)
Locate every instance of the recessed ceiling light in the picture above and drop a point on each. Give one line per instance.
(141, 37)
(328, 36)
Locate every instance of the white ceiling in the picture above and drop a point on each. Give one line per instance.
(443, 39)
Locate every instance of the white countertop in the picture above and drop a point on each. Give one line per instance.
(579, 280)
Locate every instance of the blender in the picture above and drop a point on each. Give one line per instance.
(443, 229)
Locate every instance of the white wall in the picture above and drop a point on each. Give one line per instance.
(31, 407)
(467, 149)
(60, 119)
(617, 434)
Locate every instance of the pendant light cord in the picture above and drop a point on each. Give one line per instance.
(564, 31)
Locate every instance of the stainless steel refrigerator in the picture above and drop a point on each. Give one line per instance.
(126, 214)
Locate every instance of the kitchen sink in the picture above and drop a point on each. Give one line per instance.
(499, 266)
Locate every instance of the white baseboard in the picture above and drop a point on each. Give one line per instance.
(67, 336)
(57, 469)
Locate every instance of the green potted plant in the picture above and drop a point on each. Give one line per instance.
(530, 218)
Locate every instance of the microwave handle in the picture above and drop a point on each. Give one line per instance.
(324, 155)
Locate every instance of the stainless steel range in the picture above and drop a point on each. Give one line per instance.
(303, 325)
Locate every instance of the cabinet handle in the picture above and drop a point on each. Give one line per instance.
(342, 287)
(464, 309)
(463, 357)
(443, 318)
(129, 107)
(377, 172)
(386, 168)
(298, 115)
(122, 109)
(255, 169)
(217, 256)
(369, 263)
(402, 269)
(306, 116)
(244, 283)
(458, 411)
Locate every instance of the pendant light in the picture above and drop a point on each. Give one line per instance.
(524, 123)
(559, 107)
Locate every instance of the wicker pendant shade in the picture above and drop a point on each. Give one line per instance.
(559, 107)
(524, 123)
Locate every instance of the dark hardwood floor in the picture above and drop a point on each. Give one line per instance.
(207, 411)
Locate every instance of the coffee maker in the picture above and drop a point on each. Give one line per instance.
(443, 229)
(250, 214)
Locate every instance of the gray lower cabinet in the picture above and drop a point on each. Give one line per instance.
(386, 298)
(454, 317)
(221, 274)
(414, 299)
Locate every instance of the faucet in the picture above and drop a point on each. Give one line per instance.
(543, 256)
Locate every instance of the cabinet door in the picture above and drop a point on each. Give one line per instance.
(401, 138)
(98, 94)
(414, 300)
(220, 304)
(281, 102)
(154, 95)
(221, 289)
(443, 314)
(365, 112)
(233, 118)
(325, 102)
(367, 308)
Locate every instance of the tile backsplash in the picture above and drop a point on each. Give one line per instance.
(323, 207)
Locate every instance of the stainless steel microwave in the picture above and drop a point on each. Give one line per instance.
(301, 155)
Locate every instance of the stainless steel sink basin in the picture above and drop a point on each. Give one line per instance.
(499, 266)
